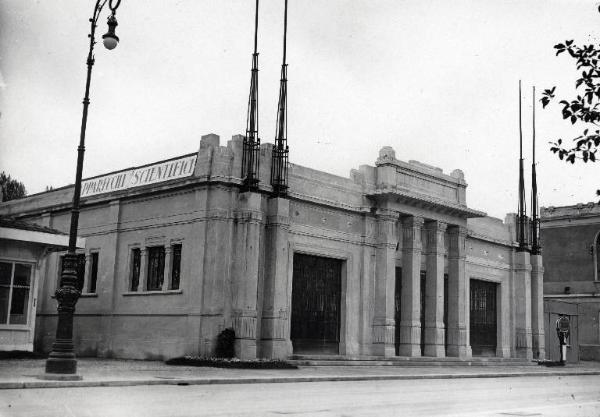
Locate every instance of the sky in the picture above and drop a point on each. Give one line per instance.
(436, 80)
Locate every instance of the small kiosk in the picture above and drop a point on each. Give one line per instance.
(23, 250)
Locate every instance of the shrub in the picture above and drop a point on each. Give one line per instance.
(225, 344)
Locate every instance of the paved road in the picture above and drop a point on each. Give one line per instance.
(501, 397)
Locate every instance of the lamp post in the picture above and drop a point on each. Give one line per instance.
(61, 362)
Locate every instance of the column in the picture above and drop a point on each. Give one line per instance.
(168, 267)
(143, 270)
(410, 322)
(275, 327)
(245, 280)
(522, 287)
(458, 294)
(385, 284)
(88, 273)
(434, 291)
(537, 307)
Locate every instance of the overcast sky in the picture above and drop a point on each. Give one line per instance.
(436, 80)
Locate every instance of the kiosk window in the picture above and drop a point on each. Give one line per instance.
(15, 289)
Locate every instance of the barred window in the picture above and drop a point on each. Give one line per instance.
(156, 268)
(93, 272)
(135, 269)
(176, 268)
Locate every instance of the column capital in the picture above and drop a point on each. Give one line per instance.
(436, 226)
(457, 241)
(412, 221)
(411, 233)
(456, 229)
(384, 214)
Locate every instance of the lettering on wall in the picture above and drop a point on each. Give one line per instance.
(136, 177)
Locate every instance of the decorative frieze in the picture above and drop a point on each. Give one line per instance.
(384, 331)
(244, 324)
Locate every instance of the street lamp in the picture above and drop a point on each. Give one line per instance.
(61, 362)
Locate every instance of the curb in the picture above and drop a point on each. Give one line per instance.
(272, 380)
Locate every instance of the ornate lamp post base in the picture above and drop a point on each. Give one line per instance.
(61, 363)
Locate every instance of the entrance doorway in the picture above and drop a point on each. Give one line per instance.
(316, 294)
(483, 319)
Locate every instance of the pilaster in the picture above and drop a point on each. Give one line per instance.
(458, 294)
(385, 284)
(275, 340)
(434, 292)
(410, 322)
(142, 283)
(168, 268)
(537, 308)
(522, 299)
(245, 281)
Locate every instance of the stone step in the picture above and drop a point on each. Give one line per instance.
(306, 360)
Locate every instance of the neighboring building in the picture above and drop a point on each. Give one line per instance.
(390, 261)
(24, 248)
(571, 241)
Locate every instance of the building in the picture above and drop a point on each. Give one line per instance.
(24, 249)
(571, 238)
(387, 262)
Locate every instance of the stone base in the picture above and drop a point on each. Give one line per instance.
(434, 342)
(524, 353)
(61, 364)
(60, 377)
(435, 351)
(384, 349)
(410, 349)
(503, 352)
(275, 349)
(245, 349)
(463, 352)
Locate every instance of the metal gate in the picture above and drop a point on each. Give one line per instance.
(316, 293)
(483, 318)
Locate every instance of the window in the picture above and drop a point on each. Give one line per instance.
(80, 271)
(93, 272)
(156, 268)
(15, 286)
(135, 269)
(176, 267)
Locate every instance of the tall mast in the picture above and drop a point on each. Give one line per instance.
(535, 218)
(279, 172)
(521, 216)
(250, 156)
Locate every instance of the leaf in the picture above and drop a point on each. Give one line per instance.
(545, 101)
(593, 156)
(571, 158)
(569, 43)
(573, 119)
(585, 132)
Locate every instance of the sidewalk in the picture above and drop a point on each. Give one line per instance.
(23, 373)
